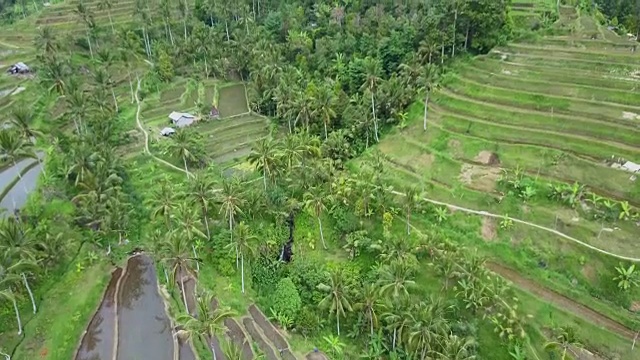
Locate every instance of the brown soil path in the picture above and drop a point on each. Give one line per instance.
(562, 301)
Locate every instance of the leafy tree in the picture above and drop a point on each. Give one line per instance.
(165, 67)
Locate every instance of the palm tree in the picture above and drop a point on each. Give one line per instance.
(184, 146)
(396, 315)
(244, 244)
(264, 157)
(231, 201)
(338, 298)
(323, 106)
(16, 242)
(13, 147)
(175, 253)
(426, 80)
(457, 348)
(201, 190)
(208, 323)
(21, 119)
(428, 325)
(7, 279)
(396, 278)
(163, 202)
(103, 79)
(86, 16)
(315, 201)
(232, 351)
(45, 40)
(189, 225)
(409, 201)
(373, 71)
(107, 5)
(369, 304)
(564, 342)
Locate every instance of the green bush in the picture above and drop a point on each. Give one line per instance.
(286, 300)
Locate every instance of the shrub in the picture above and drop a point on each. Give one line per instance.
(286, 300)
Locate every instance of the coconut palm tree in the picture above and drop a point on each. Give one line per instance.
(184, 146)
(338, 298)
(264, 156)
(163, 201)
(315, 201)
(21, 119)
(456, 348)
(16, 242)
(231, 201)
(107, 5)
(14, 147)
(426, 81)
(396, 279)
(175, 253)
(428, 325)
(323, 106)
(7, 279)
(409, 202)
(45, 41)
(244, 245)
(86, 16)
(373, 71)
(396, 316)
(369, 304)
(208, 323)
(201, 190)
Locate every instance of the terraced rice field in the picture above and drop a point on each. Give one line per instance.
(556, 108)
(226, 139)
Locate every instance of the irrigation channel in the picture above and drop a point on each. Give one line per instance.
(132, 320)
(17, 182)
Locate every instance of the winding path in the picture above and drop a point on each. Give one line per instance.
(432, 201)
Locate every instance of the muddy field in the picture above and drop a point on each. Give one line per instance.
(255, 335)
(235, 333)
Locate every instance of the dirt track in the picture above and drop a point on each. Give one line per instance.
(562, 301)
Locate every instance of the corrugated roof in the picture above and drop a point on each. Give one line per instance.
(631, 166)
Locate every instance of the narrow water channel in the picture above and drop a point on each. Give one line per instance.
(98, 341)
(144, 330)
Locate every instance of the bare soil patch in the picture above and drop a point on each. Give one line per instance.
(478, 177)
(589, 272)
(489, 231)
(455, 147)
(488, 158)
(627, 115)
(635, 306)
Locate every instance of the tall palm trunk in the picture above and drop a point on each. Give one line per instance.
(184, 23)
(231, 232)
(395, 334)
(26, 285)
(133, 99)
(455, 21)
(375, 120)
(186, 169)
(206, 222)
(195, 255)
(325, 130)
(426, 109)
(321, 233)
(338, 322)
(264, 177)
(184, 294)
(89, 42)
(242, 270)
(15, 308)
(113, 29)
(115, 101)
(226, 26)
(408, 224)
